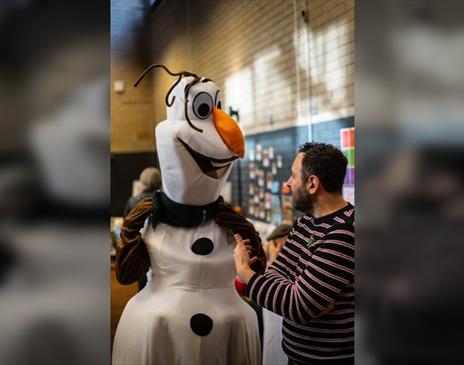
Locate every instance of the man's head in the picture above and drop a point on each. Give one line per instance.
(318, 169)
(281, 231)
(151, 178)
(277, 240)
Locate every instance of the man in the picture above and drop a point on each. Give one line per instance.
(311, 282)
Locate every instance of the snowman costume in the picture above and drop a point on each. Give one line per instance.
(190, 312)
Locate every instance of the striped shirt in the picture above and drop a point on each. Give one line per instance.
(314, 268)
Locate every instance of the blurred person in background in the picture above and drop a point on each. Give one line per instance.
(150, 179)
(272, 323)
(311, 282)
(276, 240)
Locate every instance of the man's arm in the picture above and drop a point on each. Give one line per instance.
(329, 270)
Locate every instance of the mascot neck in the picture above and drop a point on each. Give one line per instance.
(200, 190)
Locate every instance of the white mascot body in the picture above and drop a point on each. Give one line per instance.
(190, 313)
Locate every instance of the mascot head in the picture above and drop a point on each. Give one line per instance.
(198, 142)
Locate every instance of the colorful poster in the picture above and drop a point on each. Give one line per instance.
(347, 137)
(347, 144)
(349, 177)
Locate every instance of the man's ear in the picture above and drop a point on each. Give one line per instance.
(312, 184)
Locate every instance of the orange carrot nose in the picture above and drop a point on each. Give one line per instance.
(229, 131)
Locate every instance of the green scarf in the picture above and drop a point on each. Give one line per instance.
(132, 258)
(181, 215)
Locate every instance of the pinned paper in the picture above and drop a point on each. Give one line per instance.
(260, 175)
(267, 201)
(276, 209)
(271, 153)
(268, 216)
(252, 171)
(251, 155)
(251, 189)
(275, 187)
(259, 148)
(269, 180)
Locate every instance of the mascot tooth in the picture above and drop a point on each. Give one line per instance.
(189, 313)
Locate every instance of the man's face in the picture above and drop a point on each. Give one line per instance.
(302, 200)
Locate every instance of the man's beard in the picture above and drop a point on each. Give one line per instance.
(302, 201)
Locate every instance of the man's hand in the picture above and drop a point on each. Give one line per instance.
(242, 259)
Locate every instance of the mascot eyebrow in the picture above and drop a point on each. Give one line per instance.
(181, 74)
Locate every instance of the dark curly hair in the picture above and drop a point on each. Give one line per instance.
(325, 161)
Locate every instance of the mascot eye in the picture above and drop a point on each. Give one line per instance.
(202, 105)
(219, 105)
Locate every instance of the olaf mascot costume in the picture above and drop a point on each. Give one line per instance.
(190, 312)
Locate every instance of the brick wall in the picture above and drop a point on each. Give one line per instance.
(171, 40)
(331, 59)
(132, 127)
(280, 63)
